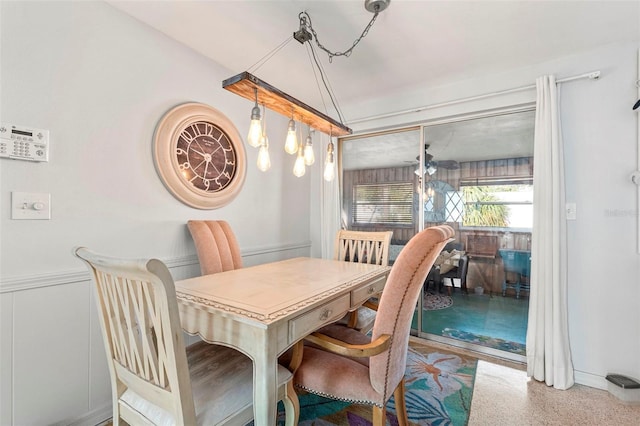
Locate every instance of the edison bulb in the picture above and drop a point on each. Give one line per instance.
(264, 162)
(291, 143)
(255, 128)
(298, 168)
(309, 157)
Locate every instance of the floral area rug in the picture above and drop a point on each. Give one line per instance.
(434, 301)
(490, 342)
(439, 387)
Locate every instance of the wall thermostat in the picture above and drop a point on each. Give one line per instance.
(24, 143)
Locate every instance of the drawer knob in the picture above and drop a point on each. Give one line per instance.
(371, 290)
(325, 314)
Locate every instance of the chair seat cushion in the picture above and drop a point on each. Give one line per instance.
(221, 383)
(366, 318)
(336, 377)
(346, 381)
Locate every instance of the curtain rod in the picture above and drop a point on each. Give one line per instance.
(593, 75)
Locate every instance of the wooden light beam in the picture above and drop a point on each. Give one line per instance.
(244, 84)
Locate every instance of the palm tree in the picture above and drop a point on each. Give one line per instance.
(477, 213)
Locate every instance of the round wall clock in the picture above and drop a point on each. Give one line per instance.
(199, 156)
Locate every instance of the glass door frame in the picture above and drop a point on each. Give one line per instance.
(422, 126)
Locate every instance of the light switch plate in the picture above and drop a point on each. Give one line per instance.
(571, 211)
(30, 206)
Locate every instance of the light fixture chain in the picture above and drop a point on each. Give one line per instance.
(305, 20)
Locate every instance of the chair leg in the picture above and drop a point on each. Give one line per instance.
(291, 405)
(379, 416)
(353, 319)
(401, 405)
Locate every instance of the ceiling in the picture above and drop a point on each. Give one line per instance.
(411, 44)
(485, 138)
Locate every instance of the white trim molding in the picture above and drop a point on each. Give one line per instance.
(33, 281)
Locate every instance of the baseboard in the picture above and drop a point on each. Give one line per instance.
(591, 380)
(92, 418)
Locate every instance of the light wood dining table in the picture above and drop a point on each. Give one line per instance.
(263, 310)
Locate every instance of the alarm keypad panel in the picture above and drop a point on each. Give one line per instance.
(23, 143)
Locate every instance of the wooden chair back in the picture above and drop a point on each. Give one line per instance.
(216, 245)
(140, 324)
(363, 247)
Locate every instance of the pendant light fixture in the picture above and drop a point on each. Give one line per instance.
(255, 128)
(329, 163)
(309, 157)
(251, 87)
(264, 161)
(291, 143)
(299, 168)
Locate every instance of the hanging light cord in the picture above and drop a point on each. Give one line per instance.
(305, 20)
(324, 81)
(253, 68)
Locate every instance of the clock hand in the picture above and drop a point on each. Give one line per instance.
(197, 152)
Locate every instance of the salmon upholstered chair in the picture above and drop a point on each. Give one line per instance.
(363, 247)
(344, 364)
(155, 380)
(216, 245)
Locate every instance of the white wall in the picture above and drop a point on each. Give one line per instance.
(600, 137)
(100, 81)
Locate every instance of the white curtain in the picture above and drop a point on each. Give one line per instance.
(548, 352)
(330, 206)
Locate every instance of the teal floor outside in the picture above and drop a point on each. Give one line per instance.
(489, 320)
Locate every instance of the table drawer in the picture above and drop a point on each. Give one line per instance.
(309, 322)
(360, 295)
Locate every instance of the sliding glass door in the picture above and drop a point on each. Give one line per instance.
(378, 185)
(478, 179)
(475, 175)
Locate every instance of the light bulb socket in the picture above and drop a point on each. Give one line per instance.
(255, 112)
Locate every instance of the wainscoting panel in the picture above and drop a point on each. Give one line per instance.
(6, 358)
(51, 353)
(99, 381)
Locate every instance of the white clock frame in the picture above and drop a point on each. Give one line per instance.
(168, 130)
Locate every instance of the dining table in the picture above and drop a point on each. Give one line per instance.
(264, 310)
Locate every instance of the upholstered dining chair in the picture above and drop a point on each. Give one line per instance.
(362, 247)
(342, 363)
(216, 245)
(154, 379)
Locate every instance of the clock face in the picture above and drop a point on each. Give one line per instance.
(199, 156)
(206, 157)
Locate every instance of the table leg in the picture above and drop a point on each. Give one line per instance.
(265, 386)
